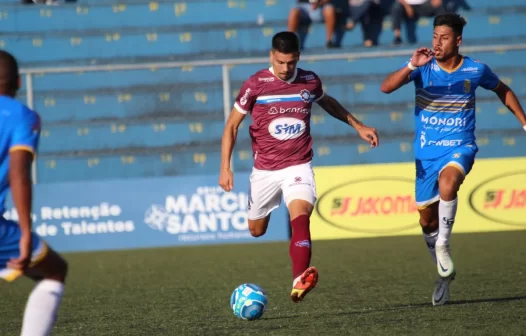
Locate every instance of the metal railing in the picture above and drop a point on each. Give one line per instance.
(225, 65)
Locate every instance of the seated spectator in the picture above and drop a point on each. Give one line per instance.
(332, 12)
(369, 14)
(410, 11)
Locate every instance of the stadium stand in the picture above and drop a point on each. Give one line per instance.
(152, 122)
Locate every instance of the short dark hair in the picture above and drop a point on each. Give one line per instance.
(8, 71)
(452, 20)
(286, 42)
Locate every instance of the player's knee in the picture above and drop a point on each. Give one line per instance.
(258, 227)
(59, 270)
(295, 14)
(257, 232)
(54, 267)
(449, 185)
(429, 225)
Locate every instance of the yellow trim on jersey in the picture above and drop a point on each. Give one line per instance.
(452, 70)
(22, 147)
(15, 274)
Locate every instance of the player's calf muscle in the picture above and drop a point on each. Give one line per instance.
(429, 218)
(298, 208)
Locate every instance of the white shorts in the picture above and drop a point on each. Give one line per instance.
(267, 187)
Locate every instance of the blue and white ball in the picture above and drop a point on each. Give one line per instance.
(248, 301)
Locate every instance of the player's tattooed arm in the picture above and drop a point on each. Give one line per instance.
(336, 110)
(510, 100)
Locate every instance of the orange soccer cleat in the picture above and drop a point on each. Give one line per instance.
(305, 284)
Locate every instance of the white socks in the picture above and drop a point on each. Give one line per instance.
(431, 239)
(446, 219)
(41, 308)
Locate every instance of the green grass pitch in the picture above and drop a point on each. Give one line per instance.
(378, 286)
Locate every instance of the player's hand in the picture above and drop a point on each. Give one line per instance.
(421, 56)
(369, 134)
(23, 261)
(226, 179)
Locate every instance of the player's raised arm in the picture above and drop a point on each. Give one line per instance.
(336, 110)
(510, 100)
(399, 78)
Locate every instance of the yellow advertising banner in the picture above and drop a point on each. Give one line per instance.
(378, 200)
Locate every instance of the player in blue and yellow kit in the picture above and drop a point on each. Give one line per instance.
(445, 145)
(21, 251)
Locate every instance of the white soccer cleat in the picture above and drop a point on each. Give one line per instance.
(445, 264)
(441, 292)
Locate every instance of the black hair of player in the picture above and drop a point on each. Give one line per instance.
(452, 20)
(9, 76)
(286, 42)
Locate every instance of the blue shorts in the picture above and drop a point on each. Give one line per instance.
(9, 248)
(428, 171)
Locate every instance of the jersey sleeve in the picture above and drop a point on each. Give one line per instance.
(318, 92)
(26, 133)
(247, 96)
(489, 80)
(415, 73)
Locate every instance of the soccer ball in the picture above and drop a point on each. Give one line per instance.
(248, 301)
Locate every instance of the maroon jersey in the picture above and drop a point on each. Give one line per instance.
(281, 112)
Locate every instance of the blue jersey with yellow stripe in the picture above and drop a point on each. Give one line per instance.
(445, 106)
(19, 130)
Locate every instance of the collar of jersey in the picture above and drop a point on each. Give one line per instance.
(452, 70)
(290, 80)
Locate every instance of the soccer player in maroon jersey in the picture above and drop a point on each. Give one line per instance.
(280, 100)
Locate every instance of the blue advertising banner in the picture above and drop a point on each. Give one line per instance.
(140, 213)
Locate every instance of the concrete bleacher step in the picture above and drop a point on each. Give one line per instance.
(108, 46)
(108, 137)
(93, 15)
(389, 120)
(205, 161)
(198, 75)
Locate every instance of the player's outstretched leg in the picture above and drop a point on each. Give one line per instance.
(449, 183)
(305, 277)
(46, 268)
(44, 301)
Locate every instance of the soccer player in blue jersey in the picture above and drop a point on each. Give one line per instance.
(21, 251)
(445, 147)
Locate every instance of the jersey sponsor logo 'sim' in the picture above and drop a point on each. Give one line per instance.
(243, 99)
(302, 110)
(266, 79)
(286, 128)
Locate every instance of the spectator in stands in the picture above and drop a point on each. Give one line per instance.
(332, 12)
(410, 11)
(370, 15)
